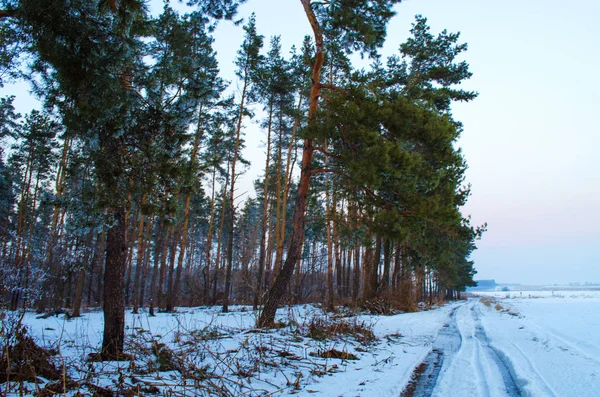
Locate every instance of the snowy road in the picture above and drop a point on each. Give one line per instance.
(493, 349)
(463, 361)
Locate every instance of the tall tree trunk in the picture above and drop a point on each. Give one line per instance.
(263, 236)
(209, 241)
(27, 254)
(175, 285)
(229, 270)
(328, 211)
(220, 239)
(60, 178)
(278, 202)
(279, 288)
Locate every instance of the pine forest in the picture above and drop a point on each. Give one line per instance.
(121, 192)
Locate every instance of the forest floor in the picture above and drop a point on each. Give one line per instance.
(491, 345)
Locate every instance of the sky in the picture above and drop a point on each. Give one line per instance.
(530, 138)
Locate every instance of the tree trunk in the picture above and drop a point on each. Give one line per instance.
(130, 253)
(114, 288)
(371, 265)
(356, 279)
(279, 288)
(328, 211)
(141, 247)
(209, 241)
(79, 293)
(162, 275)
(229, 271)
(220, 240)
(263, 236)
(158, 253)
(145, 267)
(172, 254)
(386, 266)
(102, 262)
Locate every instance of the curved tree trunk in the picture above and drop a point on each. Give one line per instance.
(280, 285)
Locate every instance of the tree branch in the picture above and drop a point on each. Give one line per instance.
(326, 153)
(333, 87)
(327, 170)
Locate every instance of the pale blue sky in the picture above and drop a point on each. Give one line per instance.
(530, 138)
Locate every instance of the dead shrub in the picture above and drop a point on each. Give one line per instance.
(322, 328)
(165, 357)
(207, 333)
(332, 353)
(404, 297)
(22, 359)
(379, 306)
(487, 301)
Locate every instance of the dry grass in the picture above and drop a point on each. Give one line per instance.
(487, 301)
(332, 353)
(21, 359)
(322, 328)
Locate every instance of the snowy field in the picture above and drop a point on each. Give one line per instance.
(493, 344)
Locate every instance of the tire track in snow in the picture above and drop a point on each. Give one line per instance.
(542, 383)
(448, 342)
(511, 382)
(479, 371)
(426, 374)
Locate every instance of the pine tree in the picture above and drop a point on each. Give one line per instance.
(248, 64)
(363, 26)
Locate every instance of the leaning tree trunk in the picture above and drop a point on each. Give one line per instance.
(280, 285)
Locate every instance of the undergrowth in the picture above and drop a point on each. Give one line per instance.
(186, 360)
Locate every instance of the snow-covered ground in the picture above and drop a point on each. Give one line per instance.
(494, 344)
(552, 340)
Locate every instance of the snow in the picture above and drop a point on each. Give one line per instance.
(534, 343)
(547, 343)
(553, 343)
